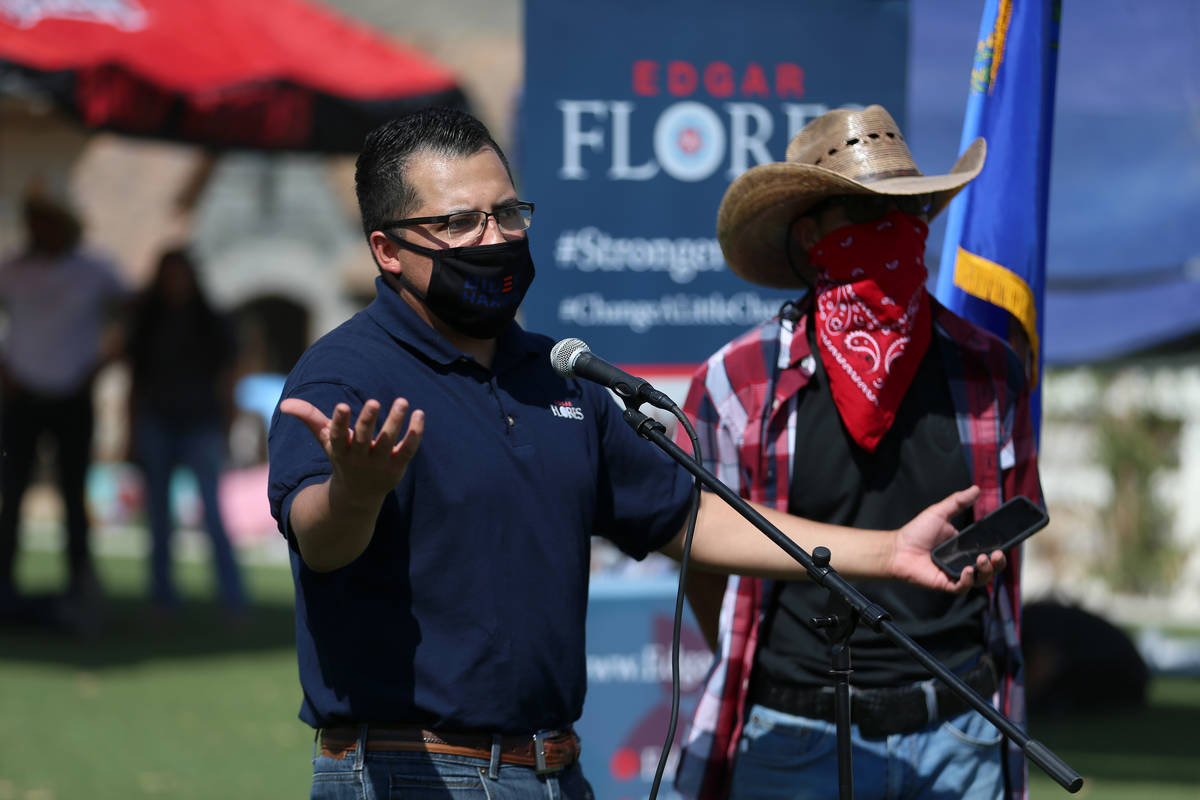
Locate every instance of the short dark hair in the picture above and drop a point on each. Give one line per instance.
(380, 175)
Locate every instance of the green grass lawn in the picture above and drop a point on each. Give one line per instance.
(187, 708)
(1131, 755)
(201, 709)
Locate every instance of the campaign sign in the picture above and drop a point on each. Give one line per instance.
(627, 713)
(636, 117)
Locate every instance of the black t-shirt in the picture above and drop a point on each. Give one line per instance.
(919, 461)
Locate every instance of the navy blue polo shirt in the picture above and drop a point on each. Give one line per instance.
(467, 609)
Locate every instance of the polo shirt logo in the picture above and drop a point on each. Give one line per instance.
(566, 410)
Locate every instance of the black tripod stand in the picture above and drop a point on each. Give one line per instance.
(847, 608)
(839, 623)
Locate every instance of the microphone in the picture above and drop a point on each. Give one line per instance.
(572, 358)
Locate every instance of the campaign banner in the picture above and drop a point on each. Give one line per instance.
(635, 118)
(627, 714)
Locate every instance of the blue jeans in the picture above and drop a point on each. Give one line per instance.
(782, 756)
(433, 776)
(162, 448)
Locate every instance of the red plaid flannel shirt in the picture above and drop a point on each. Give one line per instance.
(742, 402)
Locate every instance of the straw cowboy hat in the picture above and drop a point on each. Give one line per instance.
(840, 152)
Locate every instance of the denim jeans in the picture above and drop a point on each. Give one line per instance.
(162, 448)
(433, 776)
(783, 756)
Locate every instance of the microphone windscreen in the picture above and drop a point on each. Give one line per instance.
(563, 356)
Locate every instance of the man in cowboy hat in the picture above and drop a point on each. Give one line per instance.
(856, 405)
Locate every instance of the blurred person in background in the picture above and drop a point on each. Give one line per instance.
(181, 355)
(60, 303)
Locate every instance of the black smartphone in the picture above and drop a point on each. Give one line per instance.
(1014, 521)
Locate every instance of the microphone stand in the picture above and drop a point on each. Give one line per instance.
(847, 606)
(840, 622)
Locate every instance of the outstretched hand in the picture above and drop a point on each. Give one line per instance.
(911, 560)
(365, 468)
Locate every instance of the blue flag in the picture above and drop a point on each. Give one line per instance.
(993, 269)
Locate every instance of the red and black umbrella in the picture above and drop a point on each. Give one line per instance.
(260, 74)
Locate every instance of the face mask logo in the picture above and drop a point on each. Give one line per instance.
(475, 290)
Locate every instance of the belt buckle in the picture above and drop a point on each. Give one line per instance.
(539, 752)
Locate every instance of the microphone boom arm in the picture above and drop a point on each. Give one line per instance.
(873, 615)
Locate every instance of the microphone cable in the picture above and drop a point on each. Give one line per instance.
(679, 601)
(562, 359)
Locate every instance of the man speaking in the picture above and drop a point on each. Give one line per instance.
(439, 505)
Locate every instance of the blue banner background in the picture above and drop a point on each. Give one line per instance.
(625, 719)
(637, 116)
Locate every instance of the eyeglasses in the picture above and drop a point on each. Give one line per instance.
(467, 226)
(860, 208)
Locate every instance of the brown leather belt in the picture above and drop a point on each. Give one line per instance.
(548, 751)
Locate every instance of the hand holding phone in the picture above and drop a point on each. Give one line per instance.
(1014, 521)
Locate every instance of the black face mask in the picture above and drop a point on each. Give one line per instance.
(475, 290)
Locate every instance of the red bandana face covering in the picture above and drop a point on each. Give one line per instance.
(872, 318)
